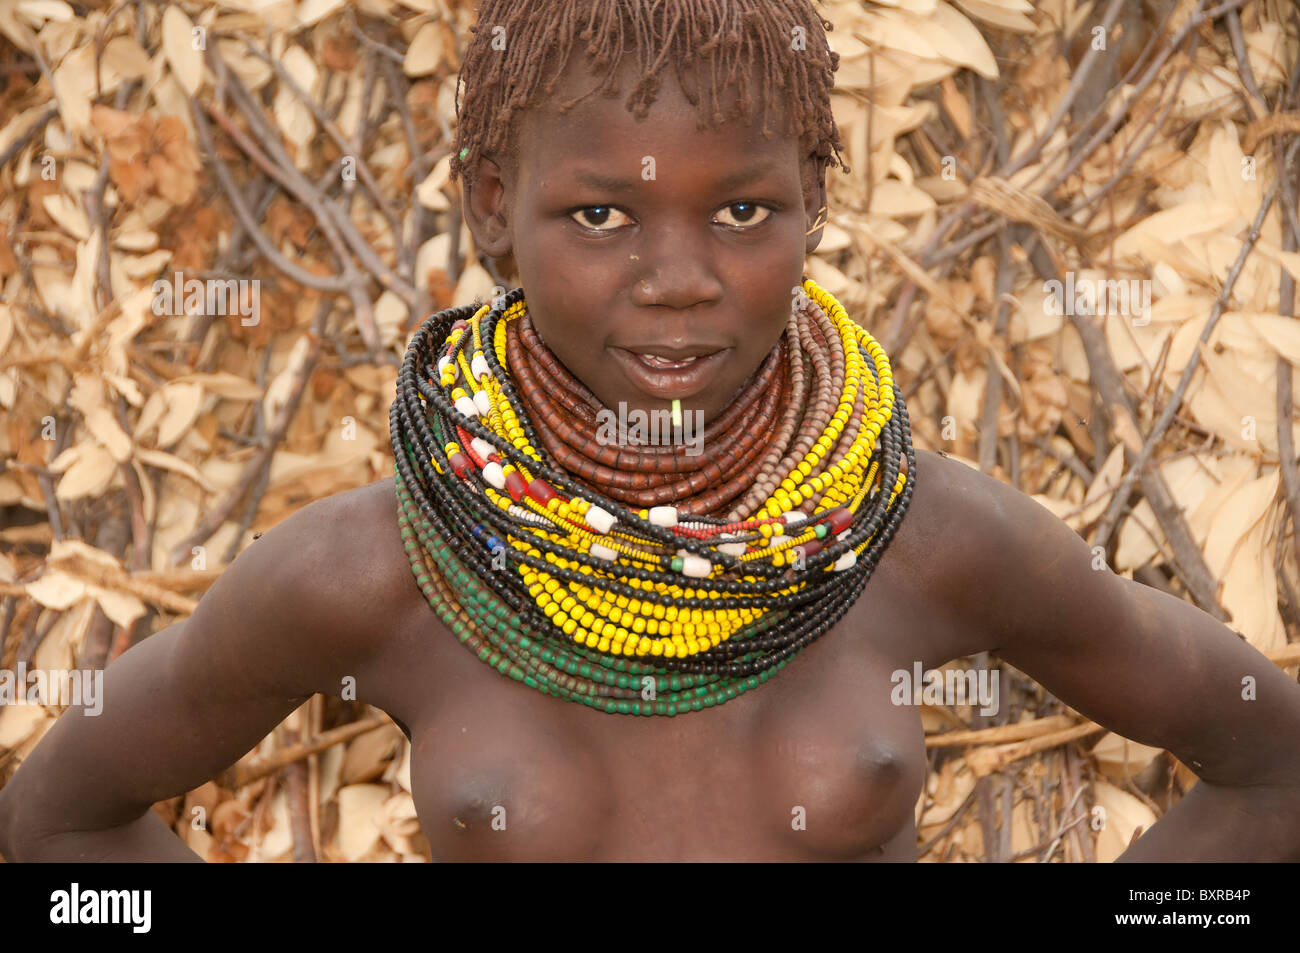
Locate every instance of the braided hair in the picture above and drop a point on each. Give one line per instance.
(517, 43)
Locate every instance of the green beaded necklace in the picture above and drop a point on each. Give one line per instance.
(510, 635)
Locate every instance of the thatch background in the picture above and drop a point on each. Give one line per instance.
(1005, 147)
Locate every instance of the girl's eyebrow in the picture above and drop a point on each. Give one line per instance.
(745, 175)
(612, 183)
(603, 183)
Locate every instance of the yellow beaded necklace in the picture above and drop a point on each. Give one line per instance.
(645, 611)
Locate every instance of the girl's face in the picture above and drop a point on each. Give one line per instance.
(658, 260)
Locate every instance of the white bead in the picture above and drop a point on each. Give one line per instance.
(478, 366)
(778, 540)
(443, 364)
(663, 516)
(466, 407)
(696, 567)
(844, 535)
(733, 549)
(483, 401)
(793, 519)
(601, 551)
(495, 475)
(528, 516)
(599, 520)
(482, 447)
(847, 561)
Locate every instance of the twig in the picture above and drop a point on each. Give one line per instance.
(380, 48)
(1266, 126)
(1002, 734)
(33, 637)
(984, 761)
(259, 434)
(1104, 133)
(1134, 153)
(314, 708)
(1081, 836)
(419, 163)
(933, 367)
(928, 251)
(1279, 558)
(118, 581)
(328, 283)
(242, 775)
(955, 248)
(310, 197)
(1188, 559)
(346, 145)
(214, 518)
(1243, 61)
(871, 113)
(1111, 515)
(988, 446)
(893, 338)
(1067, 825)
(948, 825)
(1072, 462)
(1076, 84)
(10, 607)
(296, 797)
(339, 230)
(1007, 812)
(1286, 448)
(31, 132)
(1116, 88)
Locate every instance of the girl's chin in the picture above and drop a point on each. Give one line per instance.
(708, 403)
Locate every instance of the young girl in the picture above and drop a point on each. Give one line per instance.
(691, 644)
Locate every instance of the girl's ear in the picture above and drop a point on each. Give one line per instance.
(814, 199)
(486, 211)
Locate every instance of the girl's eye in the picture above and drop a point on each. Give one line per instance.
(748, 213)
(598, 217)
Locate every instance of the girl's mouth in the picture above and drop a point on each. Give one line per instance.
(654, 362)
(670, 378)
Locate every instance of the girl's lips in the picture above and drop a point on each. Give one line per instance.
(669, 380)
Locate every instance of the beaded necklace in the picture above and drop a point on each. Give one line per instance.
(568, 590)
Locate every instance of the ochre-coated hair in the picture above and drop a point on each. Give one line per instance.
(781, 43)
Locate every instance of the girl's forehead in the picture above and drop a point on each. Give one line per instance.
(602, 125)
(629, 157)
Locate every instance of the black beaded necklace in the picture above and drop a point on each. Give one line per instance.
(542, 577)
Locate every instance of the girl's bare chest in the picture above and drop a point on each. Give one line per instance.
(816, 763)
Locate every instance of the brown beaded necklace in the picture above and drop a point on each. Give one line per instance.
(728, 478)
(648, 610)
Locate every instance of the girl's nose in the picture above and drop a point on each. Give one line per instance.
(676, 272)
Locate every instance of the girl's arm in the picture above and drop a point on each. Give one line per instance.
(1145, 664)
(283, 621)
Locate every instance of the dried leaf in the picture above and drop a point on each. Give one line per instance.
(313, 11)
(181, 49)
(89, 475)
(68, 215)
(424, 52)
(1123, 814)
(1120, 758)
(361, 814)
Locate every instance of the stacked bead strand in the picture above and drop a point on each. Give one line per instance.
(565, 588)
